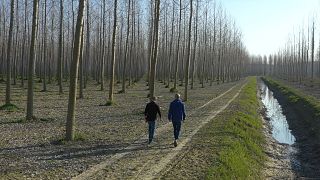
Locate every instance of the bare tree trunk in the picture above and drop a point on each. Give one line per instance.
(8, 84)
(24, 44)
(151, 40)
(113, 52)
(312, 51)
(132, 44)
(52, 51)
(120, 46)
(205, 48)
(44, 57)
(124, 70)
(74, 74)
(213, 47)
(103, 45)
(186, 75)
(3, 43)
(155, 50)
(219, 51)
(195, 45)
(87, 47)
(60, 55)
(16, 45)
(170, 48)
(32, 60)
(81, 65)
(178, 48)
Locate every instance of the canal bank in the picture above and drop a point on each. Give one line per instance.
(301, 113)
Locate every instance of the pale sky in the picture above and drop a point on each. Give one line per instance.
(266, 24)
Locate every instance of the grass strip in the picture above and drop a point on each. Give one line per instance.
(239, 153)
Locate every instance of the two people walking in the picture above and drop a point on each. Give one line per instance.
(176, 115)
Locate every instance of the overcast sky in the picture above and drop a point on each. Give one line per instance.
(266, 24)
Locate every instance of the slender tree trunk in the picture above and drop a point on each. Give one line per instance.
(3, 43)
(312, 51)
(8, 84)
(186, 75)
(52, 51)
(195, 45)
(124, 70)
(170, 48)
(219, 51)
(178, 48)
(155, 50)
(87, 47)
(103, 46)
(113, 52)
(24, 44)
(132, 44)
(205, 48)
(60, 55)
(44, 57)
(74, 74)
(32, 60)
(81, 65)
(16, 46)
(151, 40)
(213, 47)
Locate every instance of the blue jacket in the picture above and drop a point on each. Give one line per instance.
(176, 111)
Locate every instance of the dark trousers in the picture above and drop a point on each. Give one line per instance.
(176, 129)
(152, 125)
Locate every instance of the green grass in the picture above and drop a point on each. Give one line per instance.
(15, 121)
(46, 119)
(174, 90)
(9, 107)
(23, 120)
(295, 96)
(77, 137)
(109, 103)
(12, 175)
(120, 92)
(240, 150)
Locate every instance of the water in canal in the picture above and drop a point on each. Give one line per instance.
(278, 121)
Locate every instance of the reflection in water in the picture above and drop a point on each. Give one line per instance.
(280, 127)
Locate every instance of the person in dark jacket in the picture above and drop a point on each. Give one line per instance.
(150, 112)
(176, 115)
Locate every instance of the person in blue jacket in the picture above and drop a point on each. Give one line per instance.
(176, 115)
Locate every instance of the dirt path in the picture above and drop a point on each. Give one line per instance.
(139, 161)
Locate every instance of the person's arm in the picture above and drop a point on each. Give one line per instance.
(146, 110)
(159, 112)
(170, 112)
(183, 111)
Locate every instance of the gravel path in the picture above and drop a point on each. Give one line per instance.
(30, 150)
